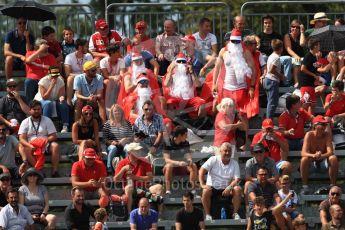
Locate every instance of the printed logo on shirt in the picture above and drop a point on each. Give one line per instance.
(260, 224)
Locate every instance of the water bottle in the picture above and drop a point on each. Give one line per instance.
(222, 214)
(129, 180)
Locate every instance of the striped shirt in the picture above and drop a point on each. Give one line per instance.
(111, 132)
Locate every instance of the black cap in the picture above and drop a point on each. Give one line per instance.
(259, 147)
(5, 175)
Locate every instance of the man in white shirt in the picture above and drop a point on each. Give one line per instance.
(74, 65)
(15, 216)
(223, 177)
(37, 134)
(206, 44)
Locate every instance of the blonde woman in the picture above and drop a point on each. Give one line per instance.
(117, 132)
(226, 123)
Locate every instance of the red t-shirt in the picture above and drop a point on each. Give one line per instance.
(221, 136)
(272, 146)
(100, 44)
(39, 67)
(141, 169)
(54, 48)
(84, 173)
(287, 121)
(337, 107)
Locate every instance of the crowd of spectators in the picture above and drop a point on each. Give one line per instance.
(133, 99)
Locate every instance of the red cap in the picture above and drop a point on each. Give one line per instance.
(101, 24)
(267, 123)
(236, 35)
(136, 56)
(141, 76)
(180, 56)
(319, 119)
(189, 37)
(87, 108)
(141, 25)
(90, 153)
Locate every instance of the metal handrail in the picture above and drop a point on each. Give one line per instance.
(289, 2)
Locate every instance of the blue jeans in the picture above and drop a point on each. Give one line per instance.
(61, 108)
(113, 151)
(286, 62)
(30, 88)
(272, 91)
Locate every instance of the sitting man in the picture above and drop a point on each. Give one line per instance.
(259, 160)
(335, 103)
(37, 134)
(78, 213)
(177, 156)
(143, 217)
(14, 215)
(89, 89)
(135, 173)
(13, 107)
(275, 144)
(292, 121)
(337, 218)
(89, 174)
(223, 177)
(189, 217)
(9, 146)
(17, 43)
(5, 186)
(181, 83)
(317, 153)
(334, 197)
(262, 187)
(151, 124)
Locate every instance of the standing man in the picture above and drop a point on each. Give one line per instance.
(36, 134)
(240, 24)
(143, 217)
(89, 89)
(318, 153)
(17, 43)
(206, 45)
(14, 215)
(189, 217)
(223, 177)
(78, 213)
(168, 45)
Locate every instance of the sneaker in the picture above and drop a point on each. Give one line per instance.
(305, 191)
(235, 216)
(168, 192)
(208, 217)
(64, 129)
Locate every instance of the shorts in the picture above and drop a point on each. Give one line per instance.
(193, 103)
(312, 95)
(319, 167)
(240, 97)
(279, 166)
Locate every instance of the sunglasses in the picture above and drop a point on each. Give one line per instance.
(148, 109)
(143, 82)
(92, 70)
(256, 152)
(235, 41)
(181, 61)
(335, 194)
(11, 86)
(88, 114)
(296, 27)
